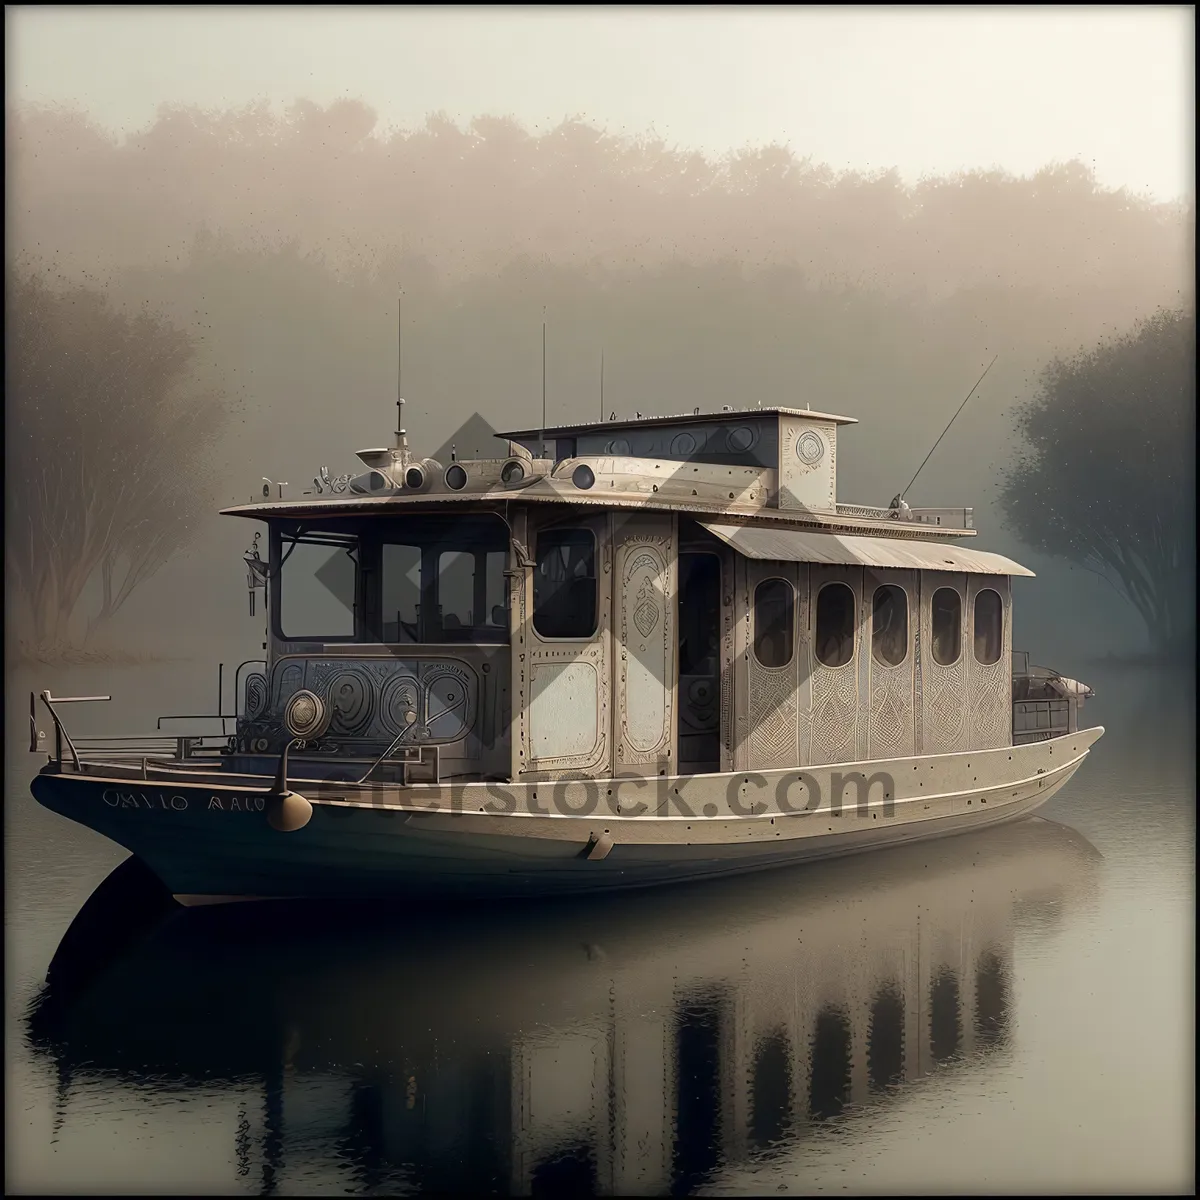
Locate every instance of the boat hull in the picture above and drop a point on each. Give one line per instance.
(211, 840)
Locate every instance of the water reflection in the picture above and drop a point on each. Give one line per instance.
(634, 1045)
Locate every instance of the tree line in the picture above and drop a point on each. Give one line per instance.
(219, 257)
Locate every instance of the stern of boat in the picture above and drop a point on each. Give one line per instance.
(1046, 704)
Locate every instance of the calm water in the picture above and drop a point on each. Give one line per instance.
(1005, 1011)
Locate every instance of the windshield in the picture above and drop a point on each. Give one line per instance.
(318, 585)
(417, 580)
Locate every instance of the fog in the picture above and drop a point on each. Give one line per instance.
(851, 209)
(927, 91)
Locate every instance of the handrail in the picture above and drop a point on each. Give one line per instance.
(218, 715)
(409, 728)
(60, 733)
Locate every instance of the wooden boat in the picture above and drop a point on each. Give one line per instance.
(618, 654)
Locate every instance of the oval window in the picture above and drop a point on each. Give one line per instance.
(835, 625)
(989, 627)
(773, 608)
(889, 625)
(946, 614)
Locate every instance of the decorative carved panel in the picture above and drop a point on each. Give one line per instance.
(989, 686)
(807, 464)
(771, 711)
(943, 688)
(644, 619)
(368, 697)
(838, 719)
(891, 719)
(729, 629)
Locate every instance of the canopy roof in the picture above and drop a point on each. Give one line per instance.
(798, 545)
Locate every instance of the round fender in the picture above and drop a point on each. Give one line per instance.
(288, 812)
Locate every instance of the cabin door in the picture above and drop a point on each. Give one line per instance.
(561, 659)
(699, 626)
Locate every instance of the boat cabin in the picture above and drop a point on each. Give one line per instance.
(658, 596)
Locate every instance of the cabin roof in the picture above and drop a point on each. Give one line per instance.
(691, 418)
(799, 545)
(307, 508)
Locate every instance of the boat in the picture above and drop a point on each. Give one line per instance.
(647, 1056)
(616, 654)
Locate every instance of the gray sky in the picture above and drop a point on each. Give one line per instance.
(928, 90)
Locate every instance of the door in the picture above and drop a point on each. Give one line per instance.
(699, 658)
(561, 662)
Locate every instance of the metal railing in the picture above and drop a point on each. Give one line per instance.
(218, 715)
(60, 733)
(950, 518)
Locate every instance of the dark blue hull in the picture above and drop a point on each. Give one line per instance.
(216, 841)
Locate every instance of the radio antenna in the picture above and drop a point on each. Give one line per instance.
(401, 437)
(602, 385)
(543, 385)
(399, 368)
(945, 431)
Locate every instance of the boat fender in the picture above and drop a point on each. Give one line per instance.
(288, 812)
(598, 847)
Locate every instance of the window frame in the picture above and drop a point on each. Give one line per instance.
(875, 657)
(277, 557)
(999, 626)
(933, 633)
(595, 578)
(371, 535)
(853, 625)
(791, 631)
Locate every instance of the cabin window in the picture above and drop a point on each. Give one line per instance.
(946, 614)
(318, 578)
(471, 592)
(889, 625)
(565, 592)
(774, 603)
(401, 593)
(441, 579)
(495, 590)
(835, 625)
(456, 589)
(989, 626)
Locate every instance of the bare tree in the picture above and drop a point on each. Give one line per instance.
(1106, 478)
(107, 450)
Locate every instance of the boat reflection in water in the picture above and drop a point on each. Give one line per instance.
(633, 1044)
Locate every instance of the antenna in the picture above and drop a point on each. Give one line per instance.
(399, 367)
(602, 385)
(401, 438)
(543, 384)
(947, 429)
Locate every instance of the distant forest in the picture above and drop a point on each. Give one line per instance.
(279, 244)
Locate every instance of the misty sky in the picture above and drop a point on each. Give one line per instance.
(922, 89)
